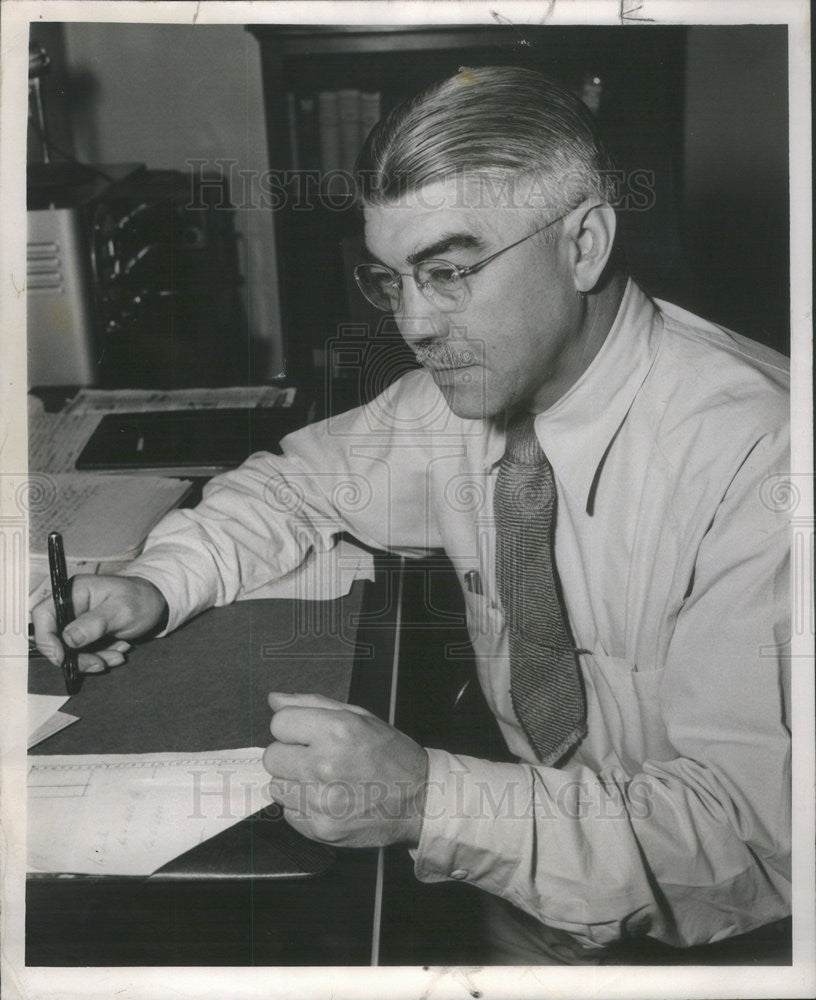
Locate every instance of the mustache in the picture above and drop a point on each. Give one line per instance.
(444, 356)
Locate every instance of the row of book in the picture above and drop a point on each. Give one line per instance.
(327, 129)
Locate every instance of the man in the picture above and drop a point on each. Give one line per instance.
(634, 658)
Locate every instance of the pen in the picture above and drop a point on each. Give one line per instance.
(62, 602)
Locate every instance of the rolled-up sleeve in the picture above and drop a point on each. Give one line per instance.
(359, 473)
(690, 848)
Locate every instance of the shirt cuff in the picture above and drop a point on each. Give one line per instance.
(183, 602)
(467, 800)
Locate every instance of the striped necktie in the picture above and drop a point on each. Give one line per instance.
(545, 680)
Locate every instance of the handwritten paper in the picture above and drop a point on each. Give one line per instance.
(56, 440)
(129, 814)
(102, 517)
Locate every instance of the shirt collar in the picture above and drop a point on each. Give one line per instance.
(576, 431)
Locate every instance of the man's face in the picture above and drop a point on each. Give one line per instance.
(513, 341)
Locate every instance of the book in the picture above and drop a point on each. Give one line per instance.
(370, 113)
(348, 103)
(328, 117)
(185, 442)
(308, 133)
(292, 131)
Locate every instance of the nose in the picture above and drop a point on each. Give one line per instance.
(418, 319)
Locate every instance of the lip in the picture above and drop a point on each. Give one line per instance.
(448, 374)
(449, 368)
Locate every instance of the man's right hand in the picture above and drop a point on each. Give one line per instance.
(115, 608)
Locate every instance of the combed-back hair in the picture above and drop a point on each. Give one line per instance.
(495, 122)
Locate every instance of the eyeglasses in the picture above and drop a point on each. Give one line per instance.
(442, 283)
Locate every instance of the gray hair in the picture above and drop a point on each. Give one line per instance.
(498, 123)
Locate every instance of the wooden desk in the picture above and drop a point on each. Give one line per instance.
(188, 692)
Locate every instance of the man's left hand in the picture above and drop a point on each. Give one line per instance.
(342, 775)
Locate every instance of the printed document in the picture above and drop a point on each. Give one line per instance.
(129, 814)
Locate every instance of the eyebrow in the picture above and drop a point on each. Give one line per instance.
(446, 242)
(449, 241)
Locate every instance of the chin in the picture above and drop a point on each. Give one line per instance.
(470, 402)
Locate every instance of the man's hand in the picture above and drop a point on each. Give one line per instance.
(342, 775)
(116, 607)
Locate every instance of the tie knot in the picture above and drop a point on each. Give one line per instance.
(522, 444)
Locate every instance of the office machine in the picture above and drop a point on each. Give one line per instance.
(64, 335)
(133, 274)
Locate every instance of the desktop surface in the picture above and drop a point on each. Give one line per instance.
(205, 687)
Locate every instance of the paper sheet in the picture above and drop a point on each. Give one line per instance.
(103, 401)
(41, 707)
(130, 814)
(53, 724)
(44, 719)
(101, 517)
(55, 440)
(39, 579)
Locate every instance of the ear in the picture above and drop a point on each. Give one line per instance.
(591, 228)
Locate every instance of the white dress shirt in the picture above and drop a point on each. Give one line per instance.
(672, 817)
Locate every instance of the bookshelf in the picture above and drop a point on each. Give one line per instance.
(333, 340)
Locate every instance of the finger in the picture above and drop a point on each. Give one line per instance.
(111, 657)
(300, 824)
(308, 726)
(85, 629)
(278, 700)
(52, 650)
(103, 606)
(287, 761)
(296, 725)
(290, 795)
(91, 663)
(44, 619)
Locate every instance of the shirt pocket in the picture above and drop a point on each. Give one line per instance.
(487, 632)
(485, 620)
(624, 713)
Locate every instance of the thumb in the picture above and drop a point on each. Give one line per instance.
(278, 700)
(85, 629)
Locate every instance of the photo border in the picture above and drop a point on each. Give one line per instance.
(488, 982)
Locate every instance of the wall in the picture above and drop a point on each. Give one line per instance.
(164, 94)
(735, 197)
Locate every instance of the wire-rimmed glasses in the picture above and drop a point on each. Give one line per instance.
(441, 282)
